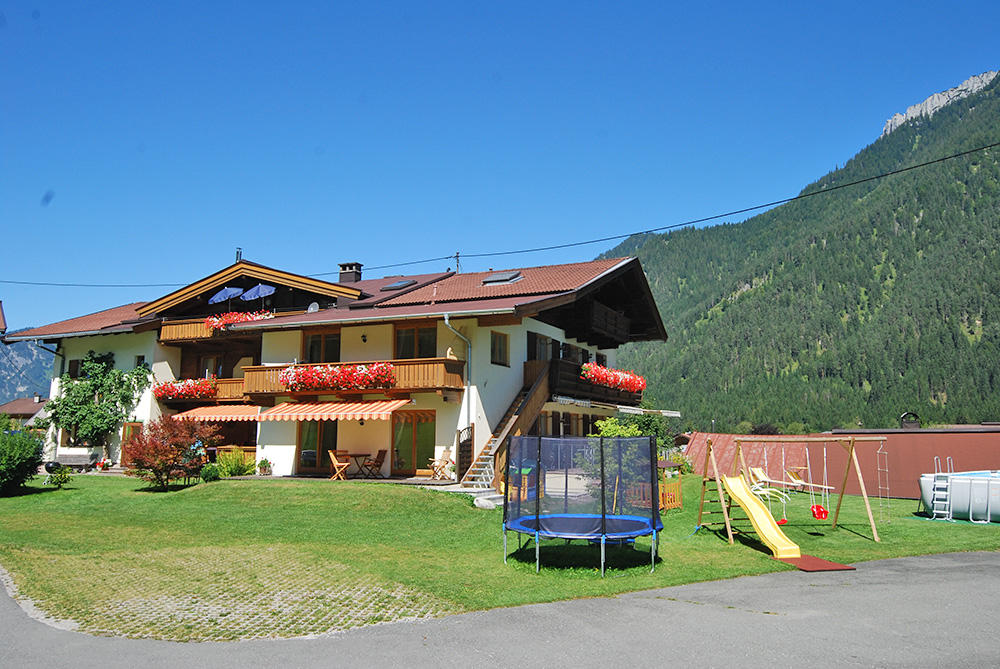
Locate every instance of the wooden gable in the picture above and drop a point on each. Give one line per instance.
(244, 272)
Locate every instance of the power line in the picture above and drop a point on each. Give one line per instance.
(93, 285)
(492, 254)
(706, 219)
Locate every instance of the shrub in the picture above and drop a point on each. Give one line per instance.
(210, 472)
(167, 450)
(235, 463)
(20, 457)
(61, 476)
(685, 461)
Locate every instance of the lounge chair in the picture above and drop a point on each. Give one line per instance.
(372, 467)
(799, 481)
(760, 484)
(339, 462)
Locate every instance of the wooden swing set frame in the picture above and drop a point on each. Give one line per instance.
(740, 466)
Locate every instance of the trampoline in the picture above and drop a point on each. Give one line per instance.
(597, 489)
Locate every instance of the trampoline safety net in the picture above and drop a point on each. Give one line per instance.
(582, 487)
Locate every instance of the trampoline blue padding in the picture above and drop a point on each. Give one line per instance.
(583, 526)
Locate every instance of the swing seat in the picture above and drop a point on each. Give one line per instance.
(782, 521)
(819, 513)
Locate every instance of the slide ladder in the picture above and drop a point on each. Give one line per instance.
(763, 522)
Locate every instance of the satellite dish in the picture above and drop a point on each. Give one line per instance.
(313, 308)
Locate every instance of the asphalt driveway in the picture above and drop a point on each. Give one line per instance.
(936, 610)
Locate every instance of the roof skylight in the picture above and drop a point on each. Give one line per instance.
(398, 285)
(503, 277)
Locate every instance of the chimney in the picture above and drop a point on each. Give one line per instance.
(350, 272)
(38, 398)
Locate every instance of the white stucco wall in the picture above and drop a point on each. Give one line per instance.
(280, 347)
(378, 342)
(276, 442)
(126, 347)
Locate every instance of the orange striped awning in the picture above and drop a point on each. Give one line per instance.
(372, 410)
(222, 412)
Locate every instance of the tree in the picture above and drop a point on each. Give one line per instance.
(96, 403)
(166, 450)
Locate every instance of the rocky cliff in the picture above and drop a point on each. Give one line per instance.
(939, 100)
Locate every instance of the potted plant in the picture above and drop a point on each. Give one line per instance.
(264, 467)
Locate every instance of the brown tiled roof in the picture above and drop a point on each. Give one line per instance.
(549, 279)
(22, 406)
(107, 320)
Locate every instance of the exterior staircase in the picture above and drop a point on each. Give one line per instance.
(481, 479)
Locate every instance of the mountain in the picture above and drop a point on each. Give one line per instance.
(25, 370)
(846, 307)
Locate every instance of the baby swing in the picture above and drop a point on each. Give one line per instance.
(819, 511)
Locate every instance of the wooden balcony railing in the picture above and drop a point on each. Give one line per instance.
(419, 374)
(564, 379)
(229, 389)
(185, 330)
(194, 328)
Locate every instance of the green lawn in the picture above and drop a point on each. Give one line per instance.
(250, 559)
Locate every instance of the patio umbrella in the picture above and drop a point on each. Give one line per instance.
(226, 293)
(260, 290)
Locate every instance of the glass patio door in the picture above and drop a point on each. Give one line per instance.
(316, 437)
(412, 441)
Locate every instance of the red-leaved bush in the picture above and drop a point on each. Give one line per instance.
(167, 449)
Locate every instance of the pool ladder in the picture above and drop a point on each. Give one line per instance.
(984, 485)
(941, 498)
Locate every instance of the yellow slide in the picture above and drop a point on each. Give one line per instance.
(763, 521)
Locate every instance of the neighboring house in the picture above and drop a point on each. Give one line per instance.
(23, 409)
(473, 355)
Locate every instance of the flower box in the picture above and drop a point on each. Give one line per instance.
(338, 377)
(221, 321)
(612, 378)
(189, 389)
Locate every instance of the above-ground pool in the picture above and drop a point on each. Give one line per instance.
(971, 496)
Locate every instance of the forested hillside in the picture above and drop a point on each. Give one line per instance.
(848, 307)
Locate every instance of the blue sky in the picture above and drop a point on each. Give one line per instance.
(143, 142)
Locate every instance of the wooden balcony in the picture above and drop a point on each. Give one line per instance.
(194, 329)
(564, 379)
(226, 390)
(185, 330)
(229, 389)
(416, 375)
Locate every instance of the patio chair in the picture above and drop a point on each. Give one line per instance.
(372, 467)
(439, 466)
(339, 462)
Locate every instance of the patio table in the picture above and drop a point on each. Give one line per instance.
(359, 459)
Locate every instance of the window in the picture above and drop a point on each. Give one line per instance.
(74, 369)
(322, 347)
(416, 342)
(140, 361)
(130, 430)
(209, 365)
(499, 349)
(540, 346)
